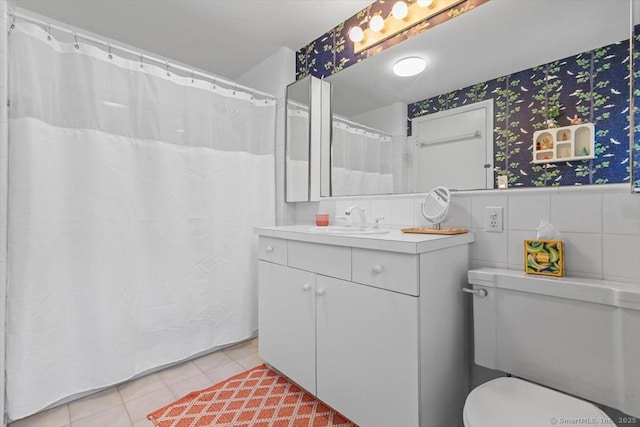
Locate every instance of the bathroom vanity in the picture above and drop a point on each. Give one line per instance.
(373, 325)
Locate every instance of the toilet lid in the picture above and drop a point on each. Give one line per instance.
(511, 402)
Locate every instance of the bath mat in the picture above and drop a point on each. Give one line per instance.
(259, 397)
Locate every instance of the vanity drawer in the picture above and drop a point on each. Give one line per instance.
(329, 260)
(387, 270)
(272, 250)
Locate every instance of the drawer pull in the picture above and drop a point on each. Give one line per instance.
(306, 287)
(377, 269)
(320, 292)
(269, 248)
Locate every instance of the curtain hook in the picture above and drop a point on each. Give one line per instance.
(75, 37)
(13, 20)
(253, 94)
(192, 73)
(214, 84)
(235, 85)
(167, 66)
(109, 47)
(141, 60)
(48, 31)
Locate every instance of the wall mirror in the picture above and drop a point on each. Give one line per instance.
(297, 140)
(528, 61)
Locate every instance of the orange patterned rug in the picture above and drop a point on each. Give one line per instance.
(258, 397)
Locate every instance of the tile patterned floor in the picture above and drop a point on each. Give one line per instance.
(128, 404)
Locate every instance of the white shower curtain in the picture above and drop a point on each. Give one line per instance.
(361, 160)
(132, 199)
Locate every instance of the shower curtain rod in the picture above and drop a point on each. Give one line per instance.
(159, 61)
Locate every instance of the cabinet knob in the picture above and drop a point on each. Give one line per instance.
(378, 269)
(306, 287)
(269, 248)
(320, 292)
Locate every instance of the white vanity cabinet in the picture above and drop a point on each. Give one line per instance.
(374, 326)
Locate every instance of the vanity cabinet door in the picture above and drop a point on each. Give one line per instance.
(286, 311)
(367, 353)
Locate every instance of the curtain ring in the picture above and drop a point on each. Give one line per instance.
(253, 94)
(141, 61)
(109, 47)
(48, 31)
(13, 21)
(192, 73)
(167, 66)
(235, 85)
(213, 86)
(75, 37)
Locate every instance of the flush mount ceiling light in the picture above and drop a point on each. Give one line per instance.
(356, 34)
(376, 24)
(400, 10)
(410, 66)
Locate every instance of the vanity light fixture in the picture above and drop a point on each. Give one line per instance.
(409, 66)
(356, 34)
(376, 24)
(400, 10)
(403, 16)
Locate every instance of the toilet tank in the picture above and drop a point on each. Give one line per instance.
(580, 336)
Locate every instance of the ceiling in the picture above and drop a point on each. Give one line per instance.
(225, 37)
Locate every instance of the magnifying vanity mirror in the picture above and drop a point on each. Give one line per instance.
(494, 77)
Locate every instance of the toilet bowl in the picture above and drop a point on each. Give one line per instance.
(512, 402)
(575, 335)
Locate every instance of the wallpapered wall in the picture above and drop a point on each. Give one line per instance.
(636, 97)
(592, 85)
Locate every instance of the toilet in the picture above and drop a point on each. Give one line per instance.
(566, 342)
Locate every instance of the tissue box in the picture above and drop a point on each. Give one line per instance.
(544, 257)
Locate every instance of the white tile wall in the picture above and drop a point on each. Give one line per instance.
(599, 224)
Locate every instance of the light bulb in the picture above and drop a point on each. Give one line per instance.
(400, 10)
(425, 3)
(409, 66)
(376, 24)
(356, 34)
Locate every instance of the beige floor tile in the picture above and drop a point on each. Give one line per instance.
(113, 417)
(144, 423)
(94, 404)
(223, 372)
(178, 373)
(254, 342)
(250, 361)
(56, 417)
(241, 350)
(185, 387)
(140, 387)
(139, 408)
(212, 361)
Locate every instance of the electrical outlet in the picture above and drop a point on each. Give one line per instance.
(494, 219)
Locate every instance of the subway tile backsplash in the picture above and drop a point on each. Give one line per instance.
(599, 224)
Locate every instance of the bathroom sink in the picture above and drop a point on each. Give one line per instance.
(347, 230)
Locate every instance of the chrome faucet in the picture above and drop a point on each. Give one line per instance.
(362, 215)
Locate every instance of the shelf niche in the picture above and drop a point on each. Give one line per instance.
(564, 144)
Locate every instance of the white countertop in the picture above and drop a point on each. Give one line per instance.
(394, 241)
